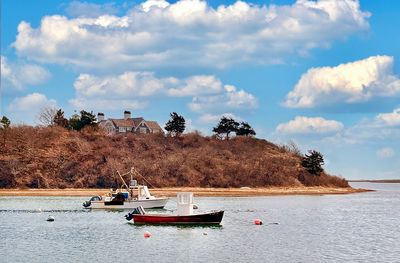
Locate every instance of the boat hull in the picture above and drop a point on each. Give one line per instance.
(129, 204)
(213, 218)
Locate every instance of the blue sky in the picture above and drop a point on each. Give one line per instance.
(324, 74)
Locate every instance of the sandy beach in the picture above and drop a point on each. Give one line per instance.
(245, 191)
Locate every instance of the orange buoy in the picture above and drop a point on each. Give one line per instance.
(147, 234)
(257, 222)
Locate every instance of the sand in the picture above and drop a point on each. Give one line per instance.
(244, 191)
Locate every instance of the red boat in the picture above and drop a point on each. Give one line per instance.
(184, 216)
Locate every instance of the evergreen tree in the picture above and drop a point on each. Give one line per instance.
(5, 122)
(245, 130)
(226, 126)
(88, 119)
(78, 122)
(60, 120)
(74, 122)
(313, 162)
(176, 125)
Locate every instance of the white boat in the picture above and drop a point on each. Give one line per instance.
(127, 197)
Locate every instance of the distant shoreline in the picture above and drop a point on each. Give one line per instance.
(227, 192)
(391, 181)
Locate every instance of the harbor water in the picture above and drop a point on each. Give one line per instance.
(361, 227)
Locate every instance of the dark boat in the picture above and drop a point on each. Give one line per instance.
(184, 216)
(211, 218)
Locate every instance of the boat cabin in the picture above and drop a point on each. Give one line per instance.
(185, 204)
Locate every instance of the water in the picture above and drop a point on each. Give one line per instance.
(333, 228)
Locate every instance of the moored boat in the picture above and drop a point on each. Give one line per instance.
(184, 216)
(127, 197)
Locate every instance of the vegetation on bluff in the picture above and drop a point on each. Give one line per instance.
(55, 157)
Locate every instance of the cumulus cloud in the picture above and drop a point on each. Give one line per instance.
(190, 33)
(17, 76)
(389, 119)
(31, 102)
(230, 99)
(353, 82)
(126, 85)
(306, 125)
(133, 89)
(385, 152)
(382, 128)
(25, 109)
(197, 85)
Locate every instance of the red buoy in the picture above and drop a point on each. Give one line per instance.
(257, 222)
(147, 234)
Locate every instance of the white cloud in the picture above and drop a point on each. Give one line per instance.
(347, 83)
(31, 102)
(390, 119)
(197, 85)
(306, 125)
(126, 85)
(190, 33)
(17, 76)
(25, 109)
(384, 127)
(230, 99)
(385, 152)
(133, 89)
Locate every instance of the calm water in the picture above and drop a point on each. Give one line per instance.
(344, 228)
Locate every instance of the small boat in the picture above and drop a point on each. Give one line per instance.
(127, 197)
(184, 216)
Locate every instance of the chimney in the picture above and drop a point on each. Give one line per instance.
(127, 115)
(100, 116)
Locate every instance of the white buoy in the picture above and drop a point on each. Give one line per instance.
(50, 219)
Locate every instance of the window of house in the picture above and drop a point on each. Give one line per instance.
(122, 129)
(142, 130)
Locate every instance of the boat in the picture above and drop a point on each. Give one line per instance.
(184, 216)
(127, 197)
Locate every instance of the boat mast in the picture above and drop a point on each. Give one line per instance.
(122, 179)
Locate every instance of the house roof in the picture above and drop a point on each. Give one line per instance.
(123, 123)
(131, 122)
(153, 125)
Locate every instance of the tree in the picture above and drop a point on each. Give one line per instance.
(245, 130)
(88, 119)
(176, 125)
(226, 126)
(74, 122)
(46, 116)
(60, 120)
(78, 122)
(313, 162)
(5, 122)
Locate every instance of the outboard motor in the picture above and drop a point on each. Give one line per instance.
(129, 216)
(87, 204)
(136, 211)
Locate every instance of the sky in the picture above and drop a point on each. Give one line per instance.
(322, 74)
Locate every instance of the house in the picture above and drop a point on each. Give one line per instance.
(128, 124)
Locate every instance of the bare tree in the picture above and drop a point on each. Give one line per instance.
(46, 116)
